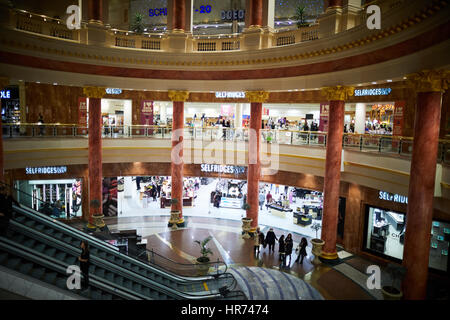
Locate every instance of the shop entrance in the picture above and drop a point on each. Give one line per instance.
(56, 198)
(116, 117)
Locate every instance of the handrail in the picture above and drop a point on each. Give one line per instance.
(160, 268)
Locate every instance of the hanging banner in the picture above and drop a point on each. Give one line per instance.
(82, 115)
(265, 112)
(398, 118)
(324, 114)
(147, 114)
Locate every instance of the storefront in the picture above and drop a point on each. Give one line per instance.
(59, 198)
(384, 233)
(10, 108)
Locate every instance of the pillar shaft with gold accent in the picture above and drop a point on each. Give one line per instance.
(337, 96)
(256, 13)
(256, 98)
(95, 156)
(3, 83)
(95, 11)
(429, 86)
(178, 15)
(178, 98)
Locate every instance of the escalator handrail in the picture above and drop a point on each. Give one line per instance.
(57, 266)
(92, 239)
(107, 265)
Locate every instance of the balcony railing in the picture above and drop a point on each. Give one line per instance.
(381, 144)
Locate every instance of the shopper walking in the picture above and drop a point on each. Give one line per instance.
(281, 250)
(289, 244)
(269, 198)
(138, 183)
(84, 262)
(262, 198)
(302, 250)
(259, 240)
(270, 239)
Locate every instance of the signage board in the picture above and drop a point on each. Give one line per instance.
(217, 168)
(383, 195)
(113, 91)
(372, 92)
(46, 170)
(233, 95)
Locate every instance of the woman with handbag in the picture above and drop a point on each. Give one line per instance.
(302, 250)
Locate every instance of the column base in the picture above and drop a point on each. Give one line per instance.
(330, 258)
(175, 221)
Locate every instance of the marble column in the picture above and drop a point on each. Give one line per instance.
(429, 86)
(336, 96)
(256, 13)
(178, 15)
(95, 11)
(256, 98)
(95, 157)
(3, 83)
(178, 98)
(334, 4)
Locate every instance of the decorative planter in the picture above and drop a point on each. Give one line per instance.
(246, 227)
(317, 249)
(202, 267)
(391, 293)
(174, 219)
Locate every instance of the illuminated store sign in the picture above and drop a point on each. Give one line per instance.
(222, 169)
(156, 12)
(393, 197)
(235, 95)
(372, 92)
(113, 91)
(46, 170)
(232, 14)
(6, 94)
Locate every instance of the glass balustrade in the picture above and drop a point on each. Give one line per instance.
(384, 144)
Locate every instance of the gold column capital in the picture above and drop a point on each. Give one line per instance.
(175, 95)
(338, 92)
(94, 92)
(4, 82)
(257, 96)
(429, 80)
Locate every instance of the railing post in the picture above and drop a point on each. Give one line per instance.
(54, 131)
(380, 139)
(292, 138)
(308, 138)
(10, 131)
(400, 146)
(74, 131)
(360, 142)
(32, 131)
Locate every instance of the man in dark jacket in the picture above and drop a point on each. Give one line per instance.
(270, 239)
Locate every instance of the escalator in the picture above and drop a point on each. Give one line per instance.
(42, 247)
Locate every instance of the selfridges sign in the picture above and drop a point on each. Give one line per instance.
(373, 92)
(46, 170)
(222, 169)
(234, 95)
(383, 195)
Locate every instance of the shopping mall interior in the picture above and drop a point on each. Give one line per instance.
(225, 150)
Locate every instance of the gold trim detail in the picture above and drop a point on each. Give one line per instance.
(329, 256)
(257, 96)
(347, 163)
(429, 80)
(178, 95)
(445, 185)
(94, 92)
(338, 92)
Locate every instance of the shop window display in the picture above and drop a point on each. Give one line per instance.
(386, 236)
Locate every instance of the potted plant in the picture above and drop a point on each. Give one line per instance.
(300, 17)
(138, 25)
(391, 292)
(316, 243)
(203, 260)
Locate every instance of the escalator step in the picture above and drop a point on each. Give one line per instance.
(17, 237)
(58, 235)
(146, 292)
(29, 243)
(40, 247)
(71, 260)
(102, 254)
(127, 284)
(26, 267)
(3, 256)
(96, 294)
(40, 227)
(20, 219)
(137, 287)
(109, 276)
(30, 223)
(75, 242)
(119, 280)
(60, 256)
(107, 296)
(37, 272)
(50, 277)
(100, 272)
(50, 252)
(61, 282)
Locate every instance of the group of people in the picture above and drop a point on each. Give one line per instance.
(285, 246)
